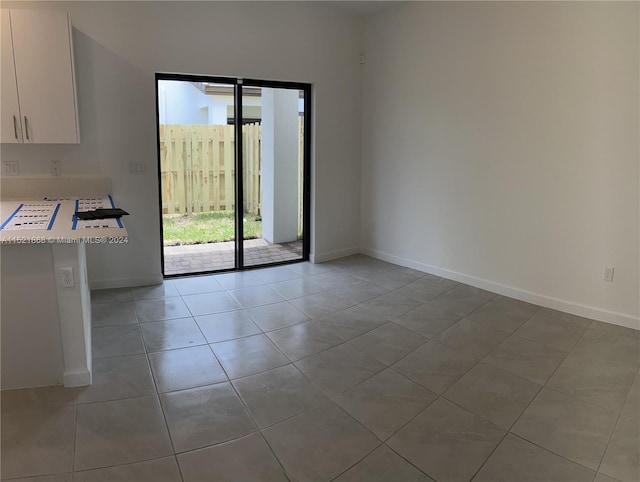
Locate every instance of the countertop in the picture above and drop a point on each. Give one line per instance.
(52, 221)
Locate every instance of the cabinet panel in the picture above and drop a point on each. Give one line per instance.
(44, 73)
(10, 127)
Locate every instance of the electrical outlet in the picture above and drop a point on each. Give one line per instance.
(10, 168)
(56, 168)
(66, 278)
(607, 273)
(137, 168)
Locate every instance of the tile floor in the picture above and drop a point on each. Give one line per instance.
(355, 370)
(198, 258)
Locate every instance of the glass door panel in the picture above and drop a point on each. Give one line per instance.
(197, 175)
(224, 204)
(272, 174)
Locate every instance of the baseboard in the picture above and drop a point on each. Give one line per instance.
(77, 378)
(330, 255)
(592, 312)
(101, 284)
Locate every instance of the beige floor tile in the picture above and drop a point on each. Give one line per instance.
(472, 338)
(303, 340)
(435, 366)
(460, 300)
(359, 291)
(605, 343)
(248, 356)
(631, 407)
(171, 334)
(388, 343)
(120, 432)
(622, 458)
(255, 296)
(204, 416)
(493, 394)
(167, 289)
(185, 368)
(47, 478)
(161, 309)
(227, 326)
(385, 402)
(117, 378)
(447, 442)
(197, 284)
(321, 304)
(427, 288)
(111, 295)
(339, 369)
(350, 323)
(516, 459)
(277, 315)
(383, 465)
(569, 427)
(37, 441)
(110, 341)
(157, 470)
(245, 459)
(534, 361)
(55, 396)
(296, 288)
(208, 303)
(559, 333)
(390, 305)
(599, 383)
(122, 313)
(504, 313)
(278, 394)
(320, 444)
(427, 320)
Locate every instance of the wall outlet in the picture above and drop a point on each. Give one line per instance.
(66, 278)
(137, 168)
(56, 168)
(10, 168)
(607, 273)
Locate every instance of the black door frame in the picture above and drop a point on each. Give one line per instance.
(238, 84)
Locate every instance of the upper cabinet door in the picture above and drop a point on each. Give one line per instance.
(10, 124)
(43, 54)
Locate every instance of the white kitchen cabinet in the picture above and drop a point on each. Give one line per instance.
(10, 125)
(37, 43)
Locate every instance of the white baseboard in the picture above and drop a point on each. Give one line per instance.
(77, 378)
(592, 312)
(101, 284)
(329, 255)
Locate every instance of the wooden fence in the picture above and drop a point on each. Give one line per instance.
(198, 173)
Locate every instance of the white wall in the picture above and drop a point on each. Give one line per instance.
(279, 169)
(180, 102)
(119, 46)
(500, 148)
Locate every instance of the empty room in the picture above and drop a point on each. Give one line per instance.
(320, 240)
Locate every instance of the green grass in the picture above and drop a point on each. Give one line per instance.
(207, 228)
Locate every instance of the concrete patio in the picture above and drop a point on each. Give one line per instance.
(197, 258)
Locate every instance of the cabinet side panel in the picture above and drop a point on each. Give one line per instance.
(30, 328)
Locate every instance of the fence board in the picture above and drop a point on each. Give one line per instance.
(197, 168)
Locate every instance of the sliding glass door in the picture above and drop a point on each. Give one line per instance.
(273, 173)
(227, 204)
